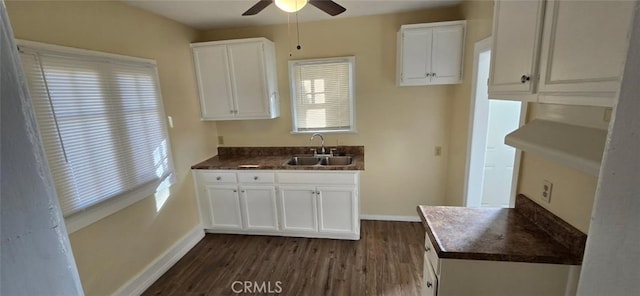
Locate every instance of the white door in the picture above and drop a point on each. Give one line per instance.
(416, 56)
(259, 207)
(491, 164)
(224, 206)
(517, 33)
(446, 54)
(212, 72)
(298, 208)
(337, 209)
(504, 117)
(249, 81)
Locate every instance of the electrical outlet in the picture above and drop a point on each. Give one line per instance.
(220, 140)
(438, 151)
(546, 191)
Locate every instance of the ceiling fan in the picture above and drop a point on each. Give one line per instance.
(327, 6)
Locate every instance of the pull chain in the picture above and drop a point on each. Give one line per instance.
(289, 34)
(298, 31)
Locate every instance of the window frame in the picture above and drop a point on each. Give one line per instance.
(351, 60)
(112, 205)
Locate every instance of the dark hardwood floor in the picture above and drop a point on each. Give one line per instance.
(387, 260)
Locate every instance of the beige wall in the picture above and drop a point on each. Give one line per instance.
(479, 16)
(112, 251)
(573, 191)
(399, 126)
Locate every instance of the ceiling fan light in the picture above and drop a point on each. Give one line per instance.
(291, 5)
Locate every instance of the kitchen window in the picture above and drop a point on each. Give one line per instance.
(102, 125)
(322, 95)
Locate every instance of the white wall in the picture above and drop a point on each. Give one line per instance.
(612, 255)
(30, 214)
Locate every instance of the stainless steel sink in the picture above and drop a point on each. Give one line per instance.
(309, 160)
(303, 160)
(337, 160)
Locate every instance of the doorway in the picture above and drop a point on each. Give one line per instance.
(492, 166)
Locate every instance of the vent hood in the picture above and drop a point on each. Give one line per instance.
(578, 147)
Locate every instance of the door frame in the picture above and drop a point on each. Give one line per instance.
(481, 46)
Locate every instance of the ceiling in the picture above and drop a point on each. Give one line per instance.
(208, 14)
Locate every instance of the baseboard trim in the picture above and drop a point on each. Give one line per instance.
(390, 218)
(143, 280)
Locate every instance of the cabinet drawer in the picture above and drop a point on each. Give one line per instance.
(217, 177)
(330, 178)
(430, 253)
(256, 177)
(429, 279)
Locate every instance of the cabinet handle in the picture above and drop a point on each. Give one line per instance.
(429, 284)
(428, 249)
(524, 78)
(218, 178)
(231, 111)
(255, 178)
(242, 191)
(313, 192)
(428, 74)
(433, 74)
(235, 190)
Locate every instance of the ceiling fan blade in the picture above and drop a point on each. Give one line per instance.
(262, 4)
(328, 6)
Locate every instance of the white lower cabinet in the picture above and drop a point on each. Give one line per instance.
(446, 276)
(429, 280)
(307, 204)
(298, 208)
(223, 206)
(258, 205)
(337, 209)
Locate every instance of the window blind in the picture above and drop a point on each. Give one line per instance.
(102, 125)
(323, 94)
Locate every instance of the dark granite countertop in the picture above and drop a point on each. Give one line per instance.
(493, 234)
(274, 158)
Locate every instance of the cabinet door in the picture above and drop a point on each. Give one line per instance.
(517, 31)
(429, 279)
(248, 72)
(415, 56)
(584, 50)
(446, 54)
(214, 84)
(298, 208)
(224, 206)
(259, 207)
(337, 209)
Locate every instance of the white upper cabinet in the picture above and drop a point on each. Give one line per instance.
(430, 54)
(581, 47)
(517, 31)
(583, 51)
(237, 79)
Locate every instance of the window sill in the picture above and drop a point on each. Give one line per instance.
(111, 206)
(325, 132)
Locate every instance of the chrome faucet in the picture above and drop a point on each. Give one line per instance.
(322, 150)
